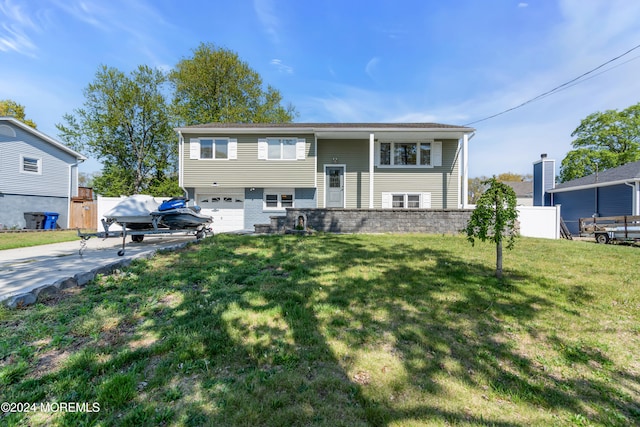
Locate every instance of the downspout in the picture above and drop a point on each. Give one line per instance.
(181, 163)
(635, 209)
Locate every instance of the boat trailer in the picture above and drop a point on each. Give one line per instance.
(137, 236)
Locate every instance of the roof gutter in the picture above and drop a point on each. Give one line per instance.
(594, 185)
(315, 129)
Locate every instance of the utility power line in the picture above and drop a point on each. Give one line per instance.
(571, 82)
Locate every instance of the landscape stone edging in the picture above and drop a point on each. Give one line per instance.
(80, 279)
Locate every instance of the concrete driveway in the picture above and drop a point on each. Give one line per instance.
(27, 273)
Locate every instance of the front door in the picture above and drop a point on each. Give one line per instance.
(334, 186)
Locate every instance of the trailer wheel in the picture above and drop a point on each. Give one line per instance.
(602, 238)
(137, 238)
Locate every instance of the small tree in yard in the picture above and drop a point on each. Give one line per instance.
(494, 219)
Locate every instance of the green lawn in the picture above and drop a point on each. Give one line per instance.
(339, 330)
(35, 238)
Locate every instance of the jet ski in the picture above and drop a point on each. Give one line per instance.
(176, 215)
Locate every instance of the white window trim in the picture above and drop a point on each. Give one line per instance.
(278, 192)
(21, 166)
(436, 154)
(387, 199)
(232, 148)
(263, 149)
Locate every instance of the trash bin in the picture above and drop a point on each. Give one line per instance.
(35, 220)
(51, 220)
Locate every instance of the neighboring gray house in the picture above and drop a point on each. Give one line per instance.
(613, 192)
(242, 174)
(37, 174)
(523, 190)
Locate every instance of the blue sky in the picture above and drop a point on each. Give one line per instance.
(452, 62)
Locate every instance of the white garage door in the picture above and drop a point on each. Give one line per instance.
(227, 210)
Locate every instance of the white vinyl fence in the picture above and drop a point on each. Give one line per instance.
(539, 221)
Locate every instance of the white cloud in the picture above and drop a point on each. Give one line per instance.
(14, 31)
(523, 4)
(371, 66)
(88, 12)
(282, 67)
(265, 11)
(139, 22)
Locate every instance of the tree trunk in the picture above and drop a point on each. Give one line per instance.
(499, 259)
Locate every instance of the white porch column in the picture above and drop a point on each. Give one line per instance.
(465, 171)
(636, 205)
(371, 167)
(180, 159)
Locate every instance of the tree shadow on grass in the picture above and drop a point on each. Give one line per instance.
(330, 330)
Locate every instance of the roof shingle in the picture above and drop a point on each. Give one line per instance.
(330, 126)
(630, 171)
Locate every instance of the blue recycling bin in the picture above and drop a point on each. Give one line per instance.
(51, 218)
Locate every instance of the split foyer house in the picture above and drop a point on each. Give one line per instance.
(37, 174)
(243, 174)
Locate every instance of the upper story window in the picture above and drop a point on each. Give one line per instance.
(281, 148)
(213, 148)
(410, 154)
(31, 165)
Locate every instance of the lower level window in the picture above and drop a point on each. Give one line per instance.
(406, 200)
(402, 201)
(278, 199)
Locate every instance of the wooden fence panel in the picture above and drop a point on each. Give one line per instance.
(84, 215)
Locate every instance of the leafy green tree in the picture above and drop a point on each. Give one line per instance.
(125, 123)
(494, 219)
(9, 108)
(513, 177)
(477, 186)
(604, 140)
(216, 86)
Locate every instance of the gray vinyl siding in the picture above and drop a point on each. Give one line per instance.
(254, 212)
(440, 181)
(354, 153)
(54, 179)
(247, 170)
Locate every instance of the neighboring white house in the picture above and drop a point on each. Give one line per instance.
(37, 174)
